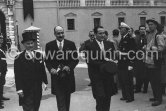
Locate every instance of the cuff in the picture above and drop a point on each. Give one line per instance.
(19, 91)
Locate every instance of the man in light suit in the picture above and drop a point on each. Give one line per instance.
(61, 59)
(102, 82)
(29, 73)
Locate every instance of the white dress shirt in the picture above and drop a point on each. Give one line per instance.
(101, 45)
(58, 43)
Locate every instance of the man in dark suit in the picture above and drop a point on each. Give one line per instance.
(125, 63)
(91, 38)
(102, 82)
(61, 66)
(29, 73)
(83, 48)
(141, 76)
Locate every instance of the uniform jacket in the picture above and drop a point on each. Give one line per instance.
(70, 59)
(102, 84)
(3, 67)
(126, 44)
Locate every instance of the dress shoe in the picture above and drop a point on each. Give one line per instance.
(1, 107)
(5, 98)
(156, 103)
(130, 100)
(89, 84)
(123, 99)
(152, 99)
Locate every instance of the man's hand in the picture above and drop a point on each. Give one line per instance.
(154, 48)
(53, 71)
(130, 68)
(66, 68)
(21, 94)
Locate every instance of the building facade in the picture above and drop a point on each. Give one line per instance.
(78, 17)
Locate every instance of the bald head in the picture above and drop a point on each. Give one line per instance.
(59, 33)
(58, 28)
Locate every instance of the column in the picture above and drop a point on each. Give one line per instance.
(151, 2)
(131, 2)
(82, 3)
(107, 2)
(38, 42)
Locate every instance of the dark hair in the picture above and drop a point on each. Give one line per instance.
(96, 29)
(142, 26)
(160, 28)
(90, 31)
(106, 33)
(136, 32)
(115, 32)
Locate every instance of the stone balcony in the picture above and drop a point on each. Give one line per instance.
(102, 3)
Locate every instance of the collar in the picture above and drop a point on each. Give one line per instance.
(99, 42)
(59, 41)
(30, 53)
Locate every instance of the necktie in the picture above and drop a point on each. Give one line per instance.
(60, 46)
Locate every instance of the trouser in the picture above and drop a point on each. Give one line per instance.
(63, 101)
(154, 75)
(103, 104)
(141, 76)
(142, 82)
(31, 100)
(126, 82)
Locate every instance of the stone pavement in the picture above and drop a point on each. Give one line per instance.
(81, 100)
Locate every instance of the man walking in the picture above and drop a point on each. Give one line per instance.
(61, 67)
(29, 73)
(102, 81)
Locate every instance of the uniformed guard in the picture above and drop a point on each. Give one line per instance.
(125, 63)
(3, 70)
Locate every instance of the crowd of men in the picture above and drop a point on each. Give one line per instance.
(112, 63)
(146, 63)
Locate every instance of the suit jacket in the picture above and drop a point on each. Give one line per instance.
(3, 67)
(126, 44)
(29, 72)
(102, 84)
(84, 45)
(67, 57)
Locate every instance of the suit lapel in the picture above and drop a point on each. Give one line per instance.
(96, 45)
(64, 45)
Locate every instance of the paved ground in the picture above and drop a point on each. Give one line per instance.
(82, 99)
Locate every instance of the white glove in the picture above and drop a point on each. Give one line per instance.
(130, 68)
(44, 86)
